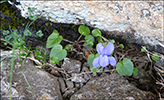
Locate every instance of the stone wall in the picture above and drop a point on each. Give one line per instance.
(144, 19)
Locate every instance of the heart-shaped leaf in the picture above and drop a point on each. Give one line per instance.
(58, 52)
(53, 39)
(125, 67)
(91, 57)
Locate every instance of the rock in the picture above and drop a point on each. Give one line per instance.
(69, 93)
(69, 84)
(142, 19)
(62, 85)
(44, 85)
(77, 78)
(72, 66)
(113, 87)
(85, 69)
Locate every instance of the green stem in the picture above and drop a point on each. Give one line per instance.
(104, 38)
(11, 71)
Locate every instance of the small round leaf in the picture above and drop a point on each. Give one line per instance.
(39, 33)
(89, 38)
(84, 30)
(96, 32)
(122, 46)
(31, 17)
(6, 32)
(31, 10)
(27, 32)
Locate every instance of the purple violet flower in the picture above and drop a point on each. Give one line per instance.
(104, 59)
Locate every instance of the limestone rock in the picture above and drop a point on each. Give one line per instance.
(109, 87)
(143, 19)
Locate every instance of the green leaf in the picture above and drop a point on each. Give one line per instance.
(89, 38)
(55, 32)
(37, 53)
(90, 59)
(89, 45)
(155, 57)
(6, 32)
(97, 55)
(23, 54)
(31, 10)
(68, 47)
(84, 30)
(112, 40)
(5, 44)
(58, 52)
(53, 39)
(96, 32)
(28, 54)
(125, 67)
(135, 71)
(31, 17)
(16, 44)
(39, 33)
(143, 49)
(94, 70)
(27, 32)
(54, 60)
(122, 46)
(39, 57)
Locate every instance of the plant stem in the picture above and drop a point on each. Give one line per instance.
(68, 41)
(104, 38)
(79, 37)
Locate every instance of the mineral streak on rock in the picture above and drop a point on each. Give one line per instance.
(145, 17)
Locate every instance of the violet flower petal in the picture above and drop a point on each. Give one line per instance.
(104, 61)
(96, 62)
(108, 49)
(112, 61)
(100, 48)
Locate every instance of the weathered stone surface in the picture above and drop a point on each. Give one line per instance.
(143, 19)
(44, 85)
(69, 84)
(111, 87)
(62, 85)
(70, 65)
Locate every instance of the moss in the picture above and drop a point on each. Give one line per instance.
(9, 17)
(6, 10)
